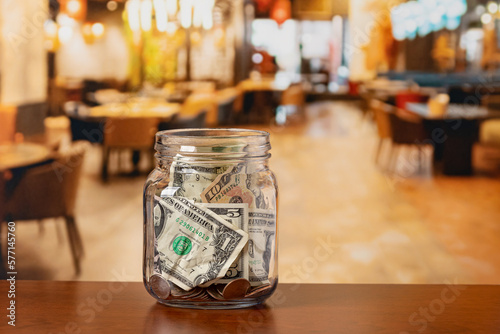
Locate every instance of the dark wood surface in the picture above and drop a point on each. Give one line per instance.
(121, 307)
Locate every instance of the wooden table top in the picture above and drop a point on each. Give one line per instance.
(264, 84)
(22, 155)
(136, 109)
(454, 111)
(125, 307)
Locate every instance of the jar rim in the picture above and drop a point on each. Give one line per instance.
(213, 133)
(213, 143)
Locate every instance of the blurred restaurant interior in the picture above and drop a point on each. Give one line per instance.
(384, 118)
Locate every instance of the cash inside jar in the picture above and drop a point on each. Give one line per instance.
(215, 232)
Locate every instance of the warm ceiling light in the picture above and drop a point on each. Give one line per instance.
(50, 29)
(171, 28)
(199, 8)
(172, 7)
(133, 8)
(65, 34)
(112, 6)
(486, 18)
(160, 15)
(208, 16)
(98, 30)
(186, 13)
(146, 13)
(73, 7)
(492, 7)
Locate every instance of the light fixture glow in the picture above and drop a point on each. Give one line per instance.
(424, 16)
(486, 18)
(492, 7)
(171, 28)
(171, 7)
(50, 29)
(208, 17)
(73, 7)
(112, 5)
(133, 8)
(98, 29)
(65, 34)
(186, 13)
(146, 15)
(161, 15)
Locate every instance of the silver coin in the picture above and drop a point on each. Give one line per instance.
(160, 286)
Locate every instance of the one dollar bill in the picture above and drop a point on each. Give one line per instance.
(261, 245)
(196, 245)
(237, 215)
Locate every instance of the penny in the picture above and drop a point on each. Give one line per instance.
(212, 291)
(220, 288)
(236, 289)
(160, 286)
(259, 291)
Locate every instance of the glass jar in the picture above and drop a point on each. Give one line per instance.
(210, 209)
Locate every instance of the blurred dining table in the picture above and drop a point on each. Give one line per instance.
(453, 133)
(264, 84)
(138, 108)
(18, 155)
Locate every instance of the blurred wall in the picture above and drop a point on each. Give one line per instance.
(107, 58)
(360, 24)
(23, 59)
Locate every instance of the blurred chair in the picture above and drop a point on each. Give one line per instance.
(491, 101)
(50, 191)
(381, 114)
(404, 97)
(406, 130)
(30, 120)
(293, 102)
(466, 94)
(490, 133)
(489, 139)
(226, 101)
(83, 127)
(197, 103)
(135, 134)
(194, 113)
(489, 136)
(57, 130)
(7, 123)
(179, 121)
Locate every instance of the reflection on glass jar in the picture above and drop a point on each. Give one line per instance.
(210, 213)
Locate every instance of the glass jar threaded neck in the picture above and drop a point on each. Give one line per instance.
(212, 145)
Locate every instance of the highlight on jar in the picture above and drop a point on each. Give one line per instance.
(210, 219)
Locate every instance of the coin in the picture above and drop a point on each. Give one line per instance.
(178, 292)
(220, 288)
(258, 291)
(160, 286)
(236, 289)
(212, 291)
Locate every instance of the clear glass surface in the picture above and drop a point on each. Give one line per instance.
(210, 219)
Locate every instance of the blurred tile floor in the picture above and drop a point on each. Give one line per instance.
(341, 218)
